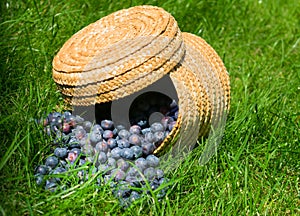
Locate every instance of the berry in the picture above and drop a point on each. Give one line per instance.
(134, 139)
(97, 128)
(72, 156)
(84, 141)
(165, 121)
(102, 158)
(66, 115)
(103, 168)
(111, 163)
(72, 120)
(127, 153)
(134, 181)
(163, 180)
(87, 125)
(39, 179)
(79, 132)
(137, 151)
(61, 152)
(145, 130)
(107, 124)
(152, 160)
(122, 193)
(107, 134)
(149, 137)
(76, 146)
(54, 128)
(150, 173)
(159, 137)
(95, 136)
(52, 121)
(59, 170)
(51, 161)
(123, 143)
(119, 127)
(76, 151)
(73, 140)
(122, 164)
(88, 149)
(176, 115)
(141, 164)
(135, 129)
(56, 115)
(115, 132)
(42, 170)
(148, 148)
(101, 146)
(173, 104)
(159, 173)
(50, 185)
(132, 171)
(171, 125)
(157, 126)
(79, 119)
(81, 162)
(112, 143)
(134, 196)
(47, 130)
(161, 193)
(174, 109)
(116, 153)
(154, 184)
(118, 174)
(49, 118)
(124, 134)
(81, 174)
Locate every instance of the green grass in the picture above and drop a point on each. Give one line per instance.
(256, 170)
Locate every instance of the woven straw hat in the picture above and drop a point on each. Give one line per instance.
(117, 55)
(129, 50)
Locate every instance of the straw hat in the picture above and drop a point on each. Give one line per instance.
(117, 55)
(133, 48)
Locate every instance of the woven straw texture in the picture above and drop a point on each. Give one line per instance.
(129, 50)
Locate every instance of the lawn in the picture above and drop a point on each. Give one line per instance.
(257, 167)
